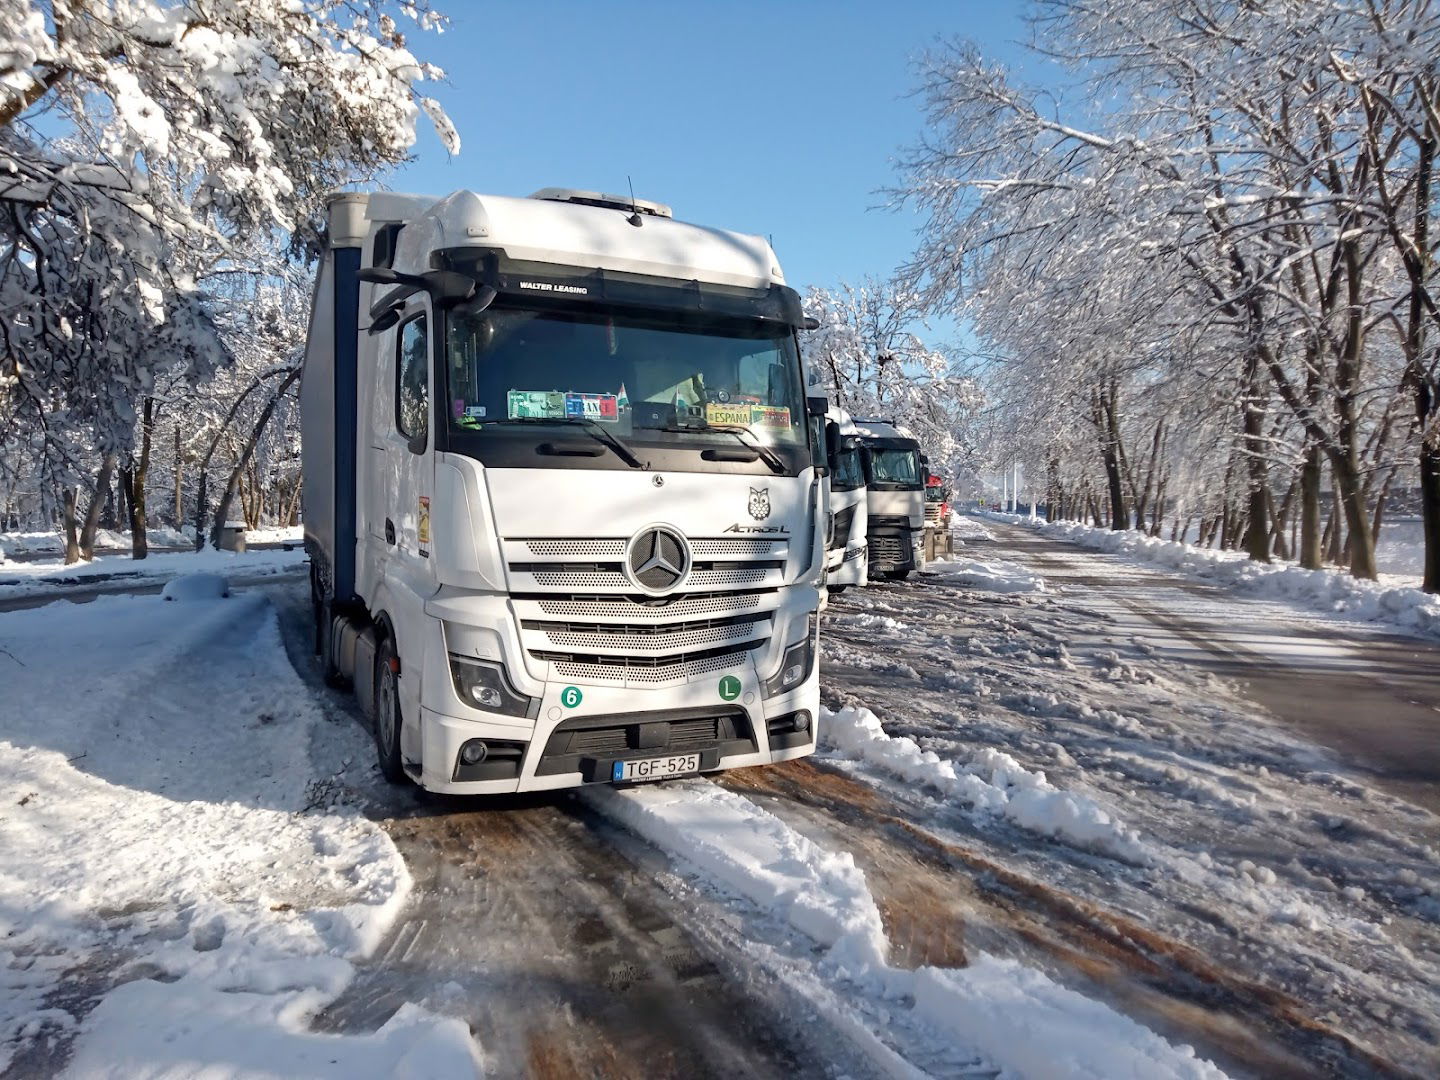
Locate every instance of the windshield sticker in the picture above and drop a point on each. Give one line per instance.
(770, 416)
(475, 410)
(535, 404)
(593, 407)
(727, 415)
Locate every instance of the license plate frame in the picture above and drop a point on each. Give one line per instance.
(638, 770)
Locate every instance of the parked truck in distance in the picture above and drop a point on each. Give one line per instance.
(563, 498)
(938, 540)
(846, 562)
(895, 498)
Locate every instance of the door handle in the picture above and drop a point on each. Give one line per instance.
(389, 531)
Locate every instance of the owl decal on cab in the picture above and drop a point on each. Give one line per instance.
(759, 503)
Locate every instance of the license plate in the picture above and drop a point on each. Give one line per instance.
(655, 768)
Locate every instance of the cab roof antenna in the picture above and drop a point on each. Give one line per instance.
(634, 218)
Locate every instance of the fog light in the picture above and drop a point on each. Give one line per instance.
(801, 721)
(473, 752)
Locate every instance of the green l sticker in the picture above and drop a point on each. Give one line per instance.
(729, 688)
(571, 697)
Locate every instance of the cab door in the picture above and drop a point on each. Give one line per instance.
(403, 456)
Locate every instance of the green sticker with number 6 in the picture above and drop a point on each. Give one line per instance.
(570, 697)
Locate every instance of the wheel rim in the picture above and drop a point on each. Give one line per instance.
(385, 709)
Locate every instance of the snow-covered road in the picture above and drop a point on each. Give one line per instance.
(1050, 834)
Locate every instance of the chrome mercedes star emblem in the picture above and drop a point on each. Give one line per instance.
(659, 559)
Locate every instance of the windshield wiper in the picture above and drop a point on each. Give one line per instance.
(746, 436)
(593, 428)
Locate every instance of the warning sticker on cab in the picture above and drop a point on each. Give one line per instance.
(535, 404)
(604, 407)
(727, 415)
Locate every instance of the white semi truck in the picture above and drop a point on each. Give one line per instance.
(895, 498)
(845, 559)
(563, 499)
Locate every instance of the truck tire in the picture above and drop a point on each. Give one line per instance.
(387, 713)
(898, 575)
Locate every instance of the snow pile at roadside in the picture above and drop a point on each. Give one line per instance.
(43, 578)
(735, 843)
(1041, 1030)
(994, 575)
(166, 846)
(1021, 1020)
(991, 782)
(1325, 590)
(967, 529)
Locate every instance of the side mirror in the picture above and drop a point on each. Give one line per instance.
(817, 406)
(418, 442)
(378, 275)
(834, 443)
(811, 323)
(385, 321)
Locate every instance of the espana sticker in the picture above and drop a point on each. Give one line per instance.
(570, 697)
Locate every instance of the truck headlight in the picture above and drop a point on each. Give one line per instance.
(482, 684)
(795, 667)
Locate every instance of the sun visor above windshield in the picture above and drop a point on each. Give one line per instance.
(547, 284)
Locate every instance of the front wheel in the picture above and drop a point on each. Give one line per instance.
(836, 590)
(387, 713)
(898, 575)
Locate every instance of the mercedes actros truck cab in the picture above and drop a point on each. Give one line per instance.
(895, 498)
(563, 498)
(846, 563)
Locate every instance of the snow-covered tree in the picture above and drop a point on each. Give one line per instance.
(146, 147)
(873, 364)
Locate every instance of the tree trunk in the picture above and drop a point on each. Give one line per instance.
(222, 512)
(1311, 548)
(1257, 532)
(67, 515)
(92, 512)
(1430, 512)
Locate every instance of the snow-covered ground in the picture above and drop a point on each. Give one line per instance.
(43, 578)
(179, 888)
(1396, 602)
(26, 546)
(1032, 845)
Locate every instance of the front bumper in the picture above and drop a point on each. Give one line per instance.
(553, 759)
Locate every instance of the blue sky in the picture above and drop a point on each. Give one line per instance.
(779, 118)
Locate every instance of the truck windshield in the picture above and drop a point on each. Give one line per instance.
(652, 380)
(848, 473)
(895, 468)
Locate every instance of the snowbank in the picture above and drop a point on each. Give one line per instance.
(994, 575)
(1042, 1031)
(167, 845)
(992, 782)
(1018, 1018)
(1330, 591)
(753, 853)
(43, 578)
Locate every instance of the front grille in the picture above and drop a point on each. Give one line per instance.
(609, 548)
(887, 548)
(932, 514)
(581, 612)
